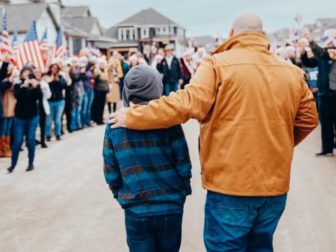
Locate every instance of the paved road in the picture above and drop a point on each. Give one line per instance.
(64, 205)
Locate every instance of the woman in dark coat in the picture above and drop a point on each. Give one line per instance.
(28, 94)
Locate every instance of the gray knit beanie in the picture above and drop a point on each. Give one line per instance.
(141, 85)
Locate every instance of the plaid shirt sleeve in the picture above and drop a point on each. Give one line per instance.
(181, 157)
(111, 168)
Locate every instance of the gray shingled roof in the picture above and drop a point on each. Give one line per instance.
(75, 11)
(83, 23)
(112, 32)
(327, 22)
(73, 31)
(21, 16)
(147, 17)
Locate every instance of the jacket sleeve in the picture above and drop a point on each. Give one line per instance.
(308, 62)
(3, 70)
(181, 157)
(318, 51)
(5, 84)
(159, 67)
(179, 69)
(306, 119)
(19, 91)
(46, 90)
(111, 169)
(37, 92)
(193, 102)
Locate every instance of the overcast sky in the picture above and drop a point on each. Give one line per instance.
(213, 17)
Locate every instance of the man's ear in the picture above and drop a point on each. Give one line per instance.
(131, 104)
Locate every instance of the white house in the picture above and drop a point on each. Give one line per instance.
(21, 15)
(145, 28)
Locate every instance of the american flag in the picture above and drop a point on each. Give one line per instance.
(15, 47)
(29, 51)
(44, 41)
(5, 47)
(294, 35)
(59, 49)
(298, 18)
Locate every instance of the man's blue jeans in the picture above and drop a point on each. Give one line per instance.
(76, 120)
(24, 128)
(86, 107)
(240, 224)
(170, 87)
(56, 111)
(154, 233)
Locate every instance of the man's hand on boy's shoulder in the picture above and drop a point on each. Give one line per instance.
(118, 119)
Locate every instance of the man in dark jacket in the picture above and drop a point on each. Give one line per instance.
(327, 96)
(171, 70)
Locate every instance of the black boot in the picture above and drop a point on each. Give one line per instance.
(10, 169)
(325, 154)
(30, 168)
(43, 145)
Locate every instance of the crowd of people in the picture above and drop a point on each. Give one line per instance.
(74, 94)
(317, 57)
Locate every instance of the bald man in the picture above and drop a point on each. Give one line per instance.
(253, 109)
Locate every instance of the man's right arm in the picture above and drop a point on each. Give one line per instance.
(193, 102)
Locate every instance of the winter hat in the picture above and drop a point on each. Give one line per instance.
(141, 85)
(27, 68)
(329, 37)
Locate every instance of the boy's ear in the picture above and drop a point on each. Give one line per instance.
(131, 104)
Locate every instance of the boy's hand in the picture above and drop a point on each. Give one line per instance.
(118, 119)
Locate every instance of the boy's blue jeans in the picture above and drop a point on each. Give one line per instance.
(160, 233)
(237, 224)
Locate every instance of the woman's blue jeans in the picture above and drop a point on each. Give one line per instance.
(56, 111)
(24, 128)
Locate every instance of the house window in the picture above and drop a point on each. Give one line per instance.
(128, 35)
(77, 45)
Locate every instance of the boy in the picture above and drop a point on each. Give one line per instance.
(148, 171)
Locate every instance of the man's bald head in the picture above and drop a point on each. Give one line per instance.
(247, 22)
